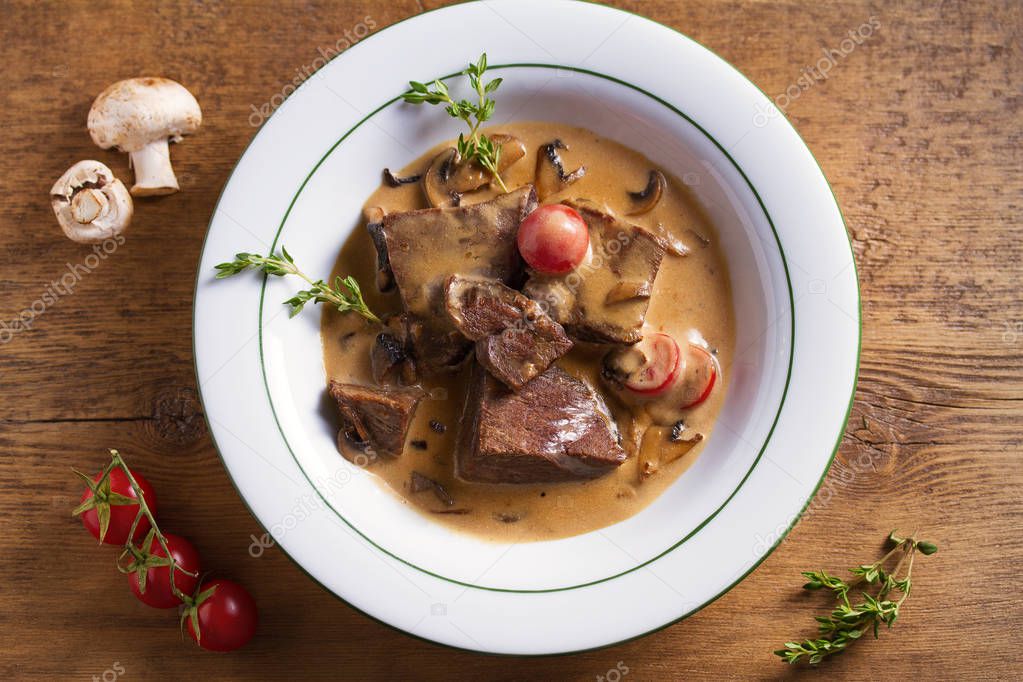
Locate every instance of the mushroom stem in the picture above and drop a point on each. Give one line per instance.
(153, 173)
(87, 205)
(91, 205)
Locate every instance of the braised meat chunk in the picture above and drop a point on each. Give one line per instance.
(604, 300)
(557, 428)
(378, 416)
(425, 246)
(515, 339)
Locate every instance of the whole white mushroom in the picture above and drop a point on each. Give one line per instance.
(140, 116)
(91, 205)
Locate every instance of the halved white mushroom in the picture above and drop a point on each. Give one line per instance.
(91, 205)
(140, 116)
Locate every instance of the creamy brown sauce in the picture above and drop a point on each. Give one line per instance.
(691, 297)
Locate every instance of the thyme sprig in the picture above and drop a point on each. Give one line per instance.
(345, 294)
(477, 146)
(849, 621)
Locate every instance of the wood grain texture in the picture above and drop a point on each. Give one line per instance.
(919, 130)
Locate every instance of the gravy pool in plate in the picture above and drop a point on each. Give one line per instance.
(690, 300)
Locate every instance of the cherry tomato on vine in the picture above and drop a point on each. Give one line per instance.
(109, 508)
(224, 614)
(158, 592)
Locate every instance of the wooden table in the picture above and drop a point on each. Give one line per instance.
(918, 130)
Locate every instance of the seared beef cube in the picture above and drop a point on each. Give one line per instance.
(379, 416)
(426, 246)
(515, 339)
(557, 428)
(604, 300)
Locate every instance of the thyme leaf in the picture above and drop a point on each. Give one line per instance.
(476, 146)
(848, 621)
(344, 294)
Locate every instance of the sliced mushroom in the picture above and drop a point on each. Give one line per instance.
(140, 116)
(397, 181)
(622, 362)
(91, 205)
(669, 241)
(551, 177)
(348, 439)
(654, 453)
(627, 291)
(679, 444)
(645, 200)
(448, 177)
(374, 217)
(420, 483)
(438, 182)
(386, 357)
(512, 149)
(391, 358)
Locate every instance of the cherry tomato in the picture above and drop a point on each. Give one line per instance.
(158, 592)
(553, 239)
(226, 615)
(121, 514)
(661, 368)
(701, 373)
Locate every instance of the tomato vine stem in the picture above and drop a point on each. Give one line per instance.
(141, 557)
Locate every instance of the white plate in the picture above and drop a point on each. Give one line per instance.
(302, 182)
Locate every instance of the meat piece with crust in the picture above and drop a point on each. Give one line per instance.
(424, 247)
(515, 339)
(557, 428)
(379, 416)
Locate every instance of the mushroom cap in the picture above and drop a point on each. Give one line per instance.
(133, 113)
(105, 209)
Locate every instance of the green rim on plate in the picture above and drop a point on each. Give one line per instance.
(780, 537)
(676, 545)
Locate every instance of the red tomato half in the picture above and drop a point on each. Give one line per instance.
(701, 373)
(158, 592)
(553, 239)
(661, 368)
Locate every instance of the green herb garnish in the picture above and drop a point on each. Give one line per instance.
(477, 146)
(848, 622)
(345, 295)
